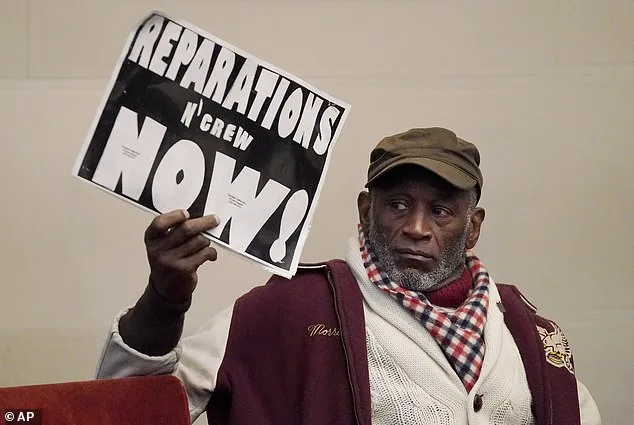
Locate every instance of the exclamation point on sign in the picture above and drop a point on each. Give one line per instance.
(291, 217)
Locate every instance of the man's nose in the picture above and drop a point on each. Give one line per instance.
(417, 226)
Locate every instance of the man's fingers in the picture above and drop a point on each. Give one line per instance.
(192, 246)
(191, 263)
(189, 229)
(162, 223)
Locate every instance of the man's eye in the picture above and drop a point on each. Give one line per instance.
(399, 205)
(440, 211)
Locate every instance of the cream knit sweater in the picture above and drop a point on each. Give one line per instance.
(413, 383)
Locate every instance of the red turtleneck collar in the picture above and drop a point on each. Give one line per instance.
(454, 293)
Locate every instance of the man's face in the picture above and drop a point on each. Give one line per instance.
(419, 226)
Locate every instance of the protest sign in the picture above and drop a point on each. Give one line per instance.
(189, 121)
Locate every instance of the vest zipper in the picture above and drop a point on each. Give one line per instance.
(343, 342)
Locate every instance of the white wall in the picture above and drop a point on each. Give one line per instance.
(544, 88)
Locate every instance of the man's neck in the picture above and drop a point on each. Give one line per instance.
(453, 292)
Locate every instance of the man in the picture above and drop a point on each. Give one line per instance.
(409, 329)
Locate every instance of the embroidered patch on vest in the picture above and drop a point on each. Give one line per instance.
(319, 329)
(556, 347)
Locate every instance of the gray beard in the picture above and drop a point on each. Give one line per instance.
(452, 259)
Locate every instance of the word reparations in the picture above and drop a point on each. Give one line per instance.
(210, 69)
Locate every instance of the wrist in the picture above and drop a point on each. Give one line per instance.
(154, 325)
(159, 302)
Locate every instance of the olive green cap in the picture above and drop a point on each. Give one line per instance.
(436, 149)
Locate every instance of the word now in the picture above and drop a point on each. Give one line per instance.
(130, 155)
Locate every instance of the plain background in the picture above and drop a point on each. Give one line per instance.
(544, 88)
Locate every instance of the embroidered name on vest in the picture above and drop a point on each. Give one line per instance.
(556, 347)
(319, 329)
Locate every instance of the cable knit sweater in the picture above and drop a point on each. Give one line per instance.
(411, 381)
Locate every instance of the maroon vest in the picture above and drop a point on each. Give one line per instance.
(296, 354)
(547, 360)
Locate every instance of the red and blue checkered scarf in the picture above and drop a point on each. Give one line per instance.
(459, 333)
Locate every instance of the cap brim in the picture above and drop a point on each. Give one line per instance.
(453, 175)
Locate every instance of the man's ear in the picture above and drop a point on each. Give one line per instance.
(474, 229)
(363, 205)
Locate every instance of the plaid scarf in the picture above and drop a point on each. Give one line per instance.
(459, 333)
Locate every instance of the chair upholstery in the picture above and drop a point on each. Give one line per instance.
(155, 400)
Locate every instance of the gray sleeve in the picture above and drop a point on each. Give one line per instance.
(587, 407)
